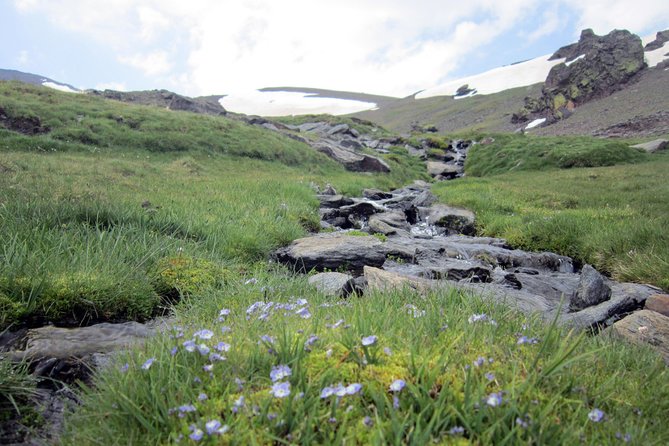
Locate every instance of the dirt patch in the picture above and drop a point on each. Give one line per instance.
(657, 123)
(5, 169)
(27, 125)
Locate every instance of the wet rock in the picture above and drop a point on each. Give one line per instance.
(459, 221)
(646, 327)
(375, 194)
(592, 290)
(334, 201)
(332, 251)
(658, 303)
(388, 222)
(439, 168)
(332, 283)
(424, 199)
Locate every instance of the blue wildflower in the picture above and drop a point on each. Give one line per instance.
(397, 385)
(267, 338)
(596, 415)
(311, 340)
(387, 351)
(303, 313)
(222, 346)
(490, 376)
(477, 318)
(212, 426)
(124, 368)
(190, 346)
(216, 357)
(204, 334)
(456, 431)
(225, 329)
(396, 402)
(280, 372)
(238, 404)
(479, 361)
(367, 421)
(281, 389)
(203, 349)
(147, 364)
(494, 399)
(202, 396)
(369, 340)
(327, 392)
(196, 435)
(174, 351)
(208, 367)
(354, 388)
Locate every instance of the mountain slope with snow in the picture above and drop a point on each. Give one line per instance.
(34, 79)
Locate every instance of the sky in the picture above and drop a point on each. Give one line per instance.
(386, 47)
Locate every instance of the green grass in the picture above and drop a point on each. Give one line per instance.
(614, 218)
(523, 153)
(552, 385)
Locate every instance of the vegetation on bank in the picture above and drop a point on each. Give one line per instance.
(269, 361)
(614, 218)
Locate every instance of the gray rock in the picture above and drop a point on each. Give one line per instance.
(334, 201)
(376, 194)
(424, 199)
(332, 283)
(658, 303)
(592, 290)
(340, 128)
(646, 327)
(329, 190)
(332, 251)
(388, 222)
(652, 146)
(436, 168)
(352, 161)
(459, 221)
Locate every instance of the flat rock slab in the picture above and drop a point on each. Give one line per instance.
(646, 327)
(382, 280)
(652, 146)
(456, 220)
(332, 283)
(332, 251)
(61, 343)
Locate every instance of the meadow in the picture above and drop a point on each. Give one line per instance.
(177, 215)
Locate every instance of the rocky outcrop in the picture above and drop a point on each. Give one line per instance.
(652, 146)
(594, 67)
(165, 99)
(424, 248)
(661, 38)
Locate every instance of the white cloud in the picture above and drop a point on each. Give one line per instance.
(388, 47)
(151, 64)
(551, 22)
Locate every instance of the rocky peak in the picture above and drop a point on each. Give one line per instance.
(594, 67)
(660, 39)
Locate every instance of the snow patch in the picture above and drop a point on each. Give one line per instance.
(574, 60)
(654, 57)
(285, 103)
(498, 79)
(535, 123)
(60, 87)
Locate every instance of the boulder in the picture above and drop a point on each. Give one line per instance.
(592, 290)
(660, 39)
(456, 220)
(380, 280)
(355, 162)
(646, 327)
(388, 222)
(652, 146)
(658, 303)
(439, 168)
(332, 251)
(334, 201)
(332, 283)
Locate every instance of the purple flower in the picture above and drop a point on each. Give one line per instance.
(490, 376)
(354, 388)
(309, 342)
(396, 402)
(369, 340)
(225, 329)
(303, 313)
(387, 351)
(222, 346)
(280, 372)
(204, 334)
(281, 390)
(202, 396)
(456, 431)
(494, 399)
(526, 340)
(367, 421)
(174, 351)
(301, 302)
(522, 423)
(186, 408)
(147, 364)
(596, 415)
(240, 384)
(190, 346)
(397, 385)
(238, 404)
(216, 357)
(224, 312)
(479, 361)
(196, 435)
(267, 338)
(251, 281)
(340, 390)
(203, 349)
(477, 318)
(212, 426)
(124, 368)
(208, 367)
(336, 324)
(327, 392)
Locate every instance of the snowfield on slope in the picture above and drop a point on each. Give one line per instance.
(59, 87)
(283, 103)
(498, 79)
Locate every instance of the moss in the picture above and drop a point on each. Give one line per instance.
(559, 101)
(574, 92)
(185, 276)
(10, 311)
